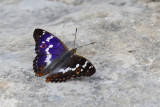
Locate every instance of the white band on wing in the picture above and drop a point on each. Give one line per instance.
(48, 55)
(85, 64)
(68, 69)
(49, 38)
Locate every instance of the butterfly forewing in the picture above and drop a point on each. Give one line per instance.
(47, 43)
(83, 67)
(77, 67)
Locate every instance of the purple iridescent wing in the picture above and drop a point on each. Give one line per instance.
(48, 48)
(47, 43)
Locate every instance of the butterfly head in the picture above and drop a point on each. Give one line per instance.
(73, 51)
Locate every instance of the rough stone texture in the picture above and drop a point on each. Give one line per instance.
(126, 54)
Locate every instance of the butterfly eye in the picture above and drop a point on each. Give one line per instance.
(78, 70)
(43, 45)
(41, 68)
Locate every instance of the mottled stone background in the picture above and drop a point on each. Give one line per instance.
(126, 54)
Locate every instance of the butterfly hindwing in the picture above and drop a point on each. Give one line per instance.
(78, 66)
(48, 48)
(41, 61)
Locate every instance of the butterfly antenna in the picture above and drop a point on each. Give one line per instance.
(86, 44)
(75, 38)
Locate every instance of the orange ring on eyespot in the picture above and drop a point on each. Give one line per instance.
(78, 70)
(43, 45)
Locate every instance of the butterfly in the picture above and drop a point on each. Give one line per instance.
(54, 58)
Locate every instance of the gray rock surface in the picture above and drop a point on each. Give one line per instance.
(126, 54)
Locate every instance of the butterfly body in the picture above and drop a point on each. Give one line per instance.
(54, 58)
(59, 63)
